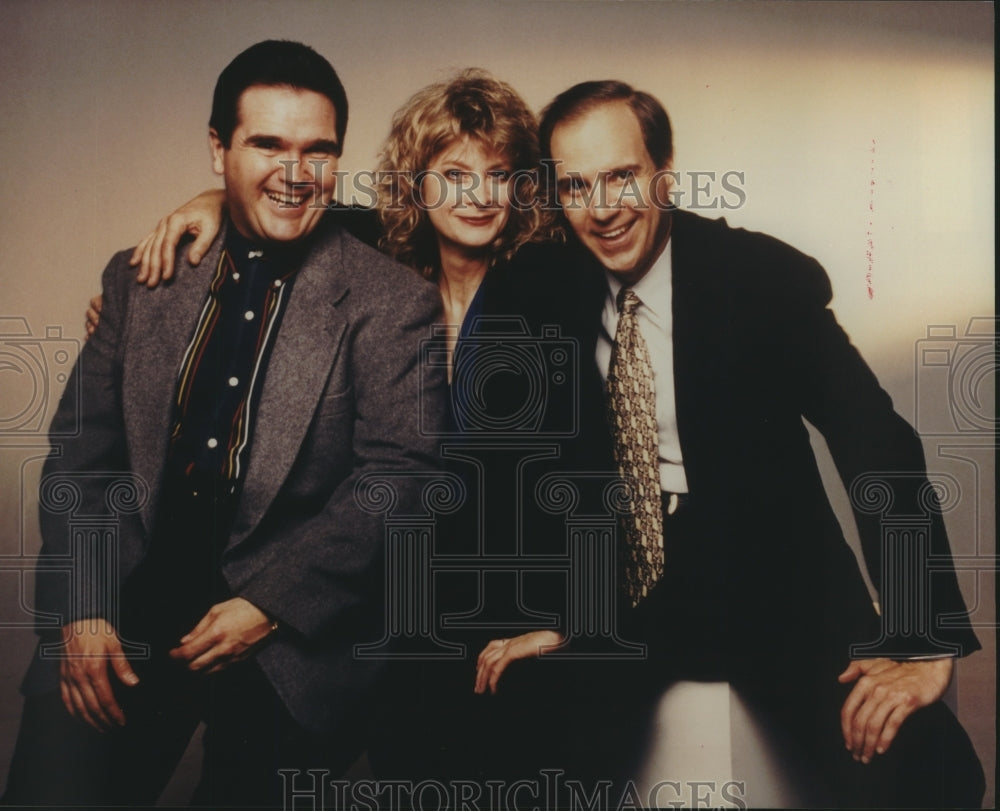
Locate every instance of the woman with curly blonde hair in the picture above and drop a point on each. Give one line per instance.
(457, 181)
(468, 111)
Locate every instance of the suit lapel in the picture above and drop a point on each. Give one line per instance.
(702, 342)
(304, 352)
(160, 325)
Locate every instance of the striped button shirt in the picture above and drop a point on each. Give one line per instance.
(222, 373)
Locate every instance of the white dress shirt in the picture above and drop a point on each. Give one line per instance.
(655, 318)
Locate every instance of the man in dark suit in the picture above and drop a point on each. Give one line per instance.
(742, 573)
(225, 422)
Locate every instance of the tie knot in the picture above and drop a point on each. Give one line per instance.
(627, 301)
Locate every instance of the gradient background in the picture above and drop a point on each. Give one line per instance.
(104, 105)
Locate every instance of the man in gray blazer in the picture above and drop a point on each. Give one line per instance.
(225, 422)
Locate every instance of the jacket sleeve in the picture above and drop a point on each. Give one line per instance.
(880, 460)
(85, 480)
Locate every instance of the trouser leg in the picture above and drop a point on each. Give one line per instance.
(930, 764)
(60, 760)
(57, 759)
(250, 738)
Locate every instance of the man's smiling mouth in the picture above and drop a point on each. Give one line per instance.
(614, 234)
(287, 200)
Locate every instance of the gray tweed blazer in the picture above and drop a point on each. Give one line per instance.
(342, 398)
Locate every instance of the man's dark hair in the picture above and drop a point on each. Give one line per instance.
(581, 98)
(275, 63)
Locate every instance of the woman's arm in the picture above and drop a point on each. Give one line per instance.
(499, 653)
(201, 217)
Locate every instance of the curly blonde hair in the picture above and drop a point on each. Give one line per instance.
(472, 104)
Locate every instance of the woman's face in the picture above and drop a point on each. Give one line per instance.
(466, 193)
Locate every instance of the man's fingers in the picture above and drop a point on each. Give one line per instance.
(121, 665)
(191, 650)
(217, 658)
(220, 654)
(99, 717)
(107, 706)
(852, 673)
(198, 630)
(873, 730)
(196, 643)
(206, 660)
(78, 708)
(869, 724)
(892, 725)
(67, 699)
(863, 715)
(847, 713)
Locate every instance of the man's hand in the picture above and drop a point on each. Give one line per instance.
(499, 653)
(90, 647)
(226, 634)
(201, 217)
(886, 693)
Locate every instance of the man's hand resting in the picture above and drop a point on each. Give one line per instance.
(92, 649)
(226, 634)
(886, 693)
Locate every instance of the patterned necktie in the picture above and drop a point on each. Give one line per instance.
(632, 412)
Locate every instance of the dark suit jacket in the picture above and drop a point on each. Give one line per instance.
(341, 398)
(769, 578)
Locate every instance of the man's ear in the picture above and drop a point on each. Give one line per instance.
(664, 181)
(218, 152)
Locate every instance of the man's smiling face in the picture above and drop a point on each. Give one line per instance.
(612, 193)
(280, 165)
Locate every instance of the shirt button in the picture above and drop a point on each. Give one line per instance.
(233, 381)
(236, 277)
(213, 442)
(277, 282)
(248, 315)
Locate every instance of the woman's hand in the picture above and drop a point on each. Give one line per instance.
(94, 314)
(499, 653)
(201, 217)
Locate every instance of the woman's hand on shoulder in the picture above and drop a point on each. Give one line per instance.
(94, 314)
(201, 217)
(499, 653)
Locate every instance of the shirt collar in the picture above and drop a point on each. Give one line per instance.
(276, 261)
(653, 289)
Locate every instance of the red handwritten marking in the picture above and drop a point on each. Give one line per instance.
(870, 241)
